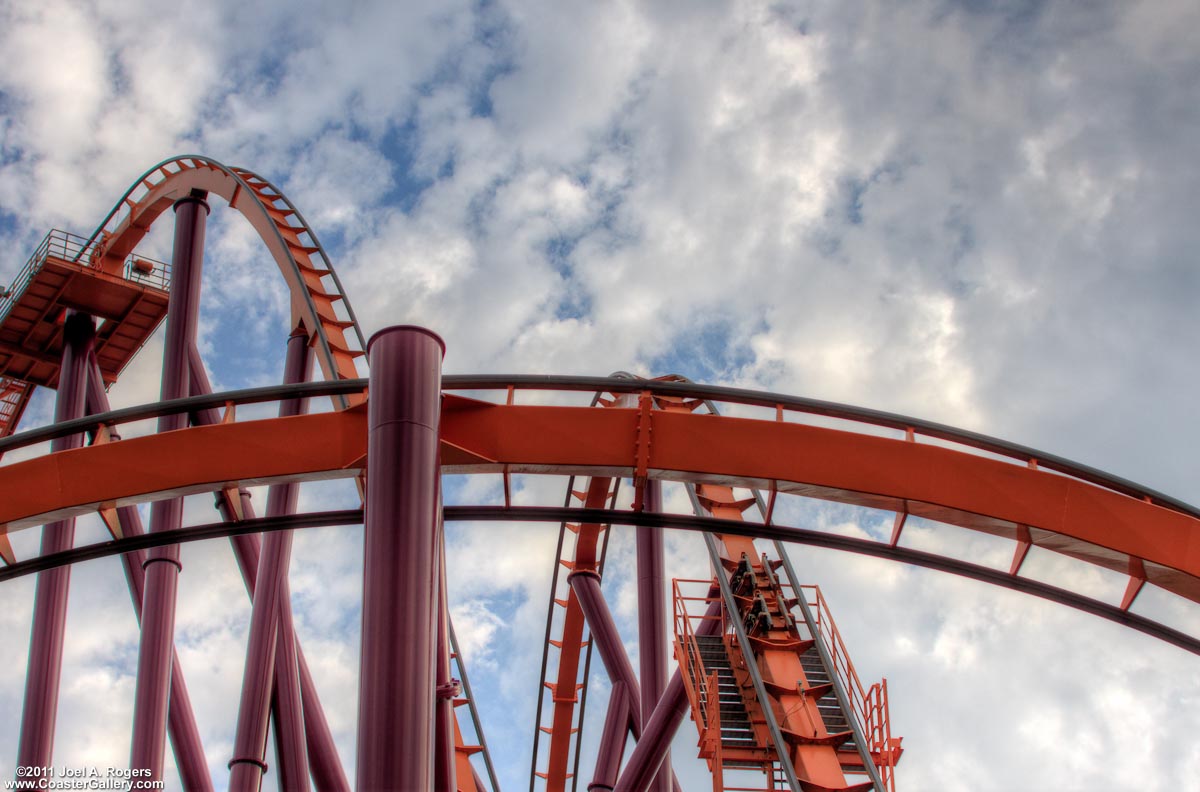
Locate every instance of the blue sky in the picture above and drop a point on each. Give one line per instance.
(980, 214)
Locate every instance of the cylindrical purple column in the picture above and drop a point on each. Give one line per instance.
(248, 763)
(50, 598)
(181, 722)
(612, 740)
(651, 750)
(395, 701)
(323, 759)
(586, 585)
(291, 746)
(162, 563)
(652, 619)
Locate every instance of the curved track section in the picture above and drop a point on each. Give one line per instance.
(318, 300)
(1076, 516)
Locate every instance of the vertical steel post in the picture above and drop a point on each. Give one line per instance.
(612, 740)
(50, 599)
(248, 763)
(652, 619)
(447, 687)
(323, 759)
(395, 702)
(181, 722)
(162, 563)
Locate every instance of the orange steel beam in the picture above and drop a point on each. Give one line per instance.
(1066, 515)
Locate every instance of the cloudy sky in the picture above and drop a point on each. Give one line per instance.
(982, 214)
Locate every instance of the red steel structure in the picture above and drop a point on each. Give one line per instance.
(760, 665)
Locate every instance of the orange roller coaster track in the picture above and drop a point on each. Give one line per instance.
(398, 430)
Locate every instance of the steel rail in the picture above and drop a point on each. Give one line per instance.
(787, 534)
(262, 395)
(248, 183)
(782, 756)
(839, 688)
(467, 382)
(471, 705)
(828, 409)
(840, 692)
(813, 538)
(187, 534)
(320, 249)
(537, 717)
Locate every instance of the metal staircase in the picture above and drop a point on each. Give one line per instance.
(831, 710)
(734, 720)
(792, 703)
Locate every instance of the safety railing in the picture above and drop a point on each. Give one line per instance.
(701, 690)
(11, 391)
(868, 706)
(70, 247)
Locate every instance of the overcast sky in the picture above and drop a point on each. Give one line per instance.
(983, 214)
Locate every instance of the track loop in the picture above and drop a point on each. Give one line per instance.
(319, 302)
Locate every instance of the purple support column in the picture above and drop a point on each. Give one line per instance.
(651, 751)
(181, 722)
(162, 563)
(248, 763)
(447, 687)
(612, 740)
(291, 744)
(50, 599)
(324, 763)
(395, 702)
(652, 619)
(586, 585)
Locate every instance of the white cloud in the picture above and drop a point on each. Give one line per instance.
(977, 215)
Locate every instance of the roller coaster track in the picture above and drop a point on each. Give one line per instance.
(783, 446)
(318, 300)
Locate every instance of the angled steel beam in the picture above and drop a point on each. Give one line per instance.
(271, 646)
(323, 759)
(181, 721)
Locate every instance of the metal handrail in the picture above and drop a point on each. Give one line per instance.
(867, 707)
(760, 690)
(80, 250)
